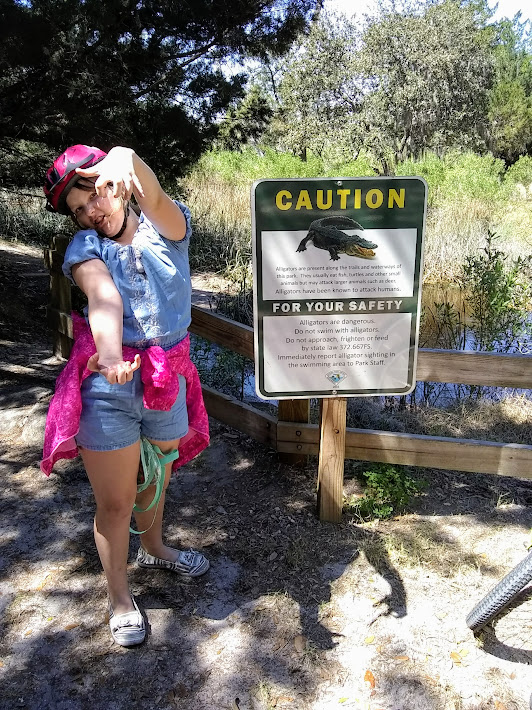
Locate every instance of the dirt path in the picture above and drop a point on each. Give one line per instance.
(293, 614)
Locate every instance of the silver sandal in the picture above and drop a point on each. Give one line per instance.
(189, 563)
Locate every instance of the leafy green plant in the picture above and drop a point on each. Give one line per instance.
(459, 176)
(494, 311)
(520, 171)
(362, 166)
(389, 490)
(498, 294)
(428, 166)
(243, 167)
(469, 176)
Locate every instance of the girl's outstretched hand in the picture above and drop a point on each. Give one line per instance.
(116, 373)
(116, 169)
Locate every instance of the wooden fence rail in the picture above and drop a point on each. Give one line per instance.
(298, 439)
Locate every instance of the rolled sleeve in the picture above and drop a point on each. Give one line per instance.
(180, 244)
(186, 212)
(84, 246)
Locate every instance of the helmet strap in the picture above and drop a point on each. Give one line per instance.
(124, 223)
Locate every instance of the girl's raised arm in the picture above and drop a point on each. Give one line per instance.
(129, 175)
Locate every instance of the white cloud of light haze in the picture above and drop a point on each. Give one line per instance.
(505, 8)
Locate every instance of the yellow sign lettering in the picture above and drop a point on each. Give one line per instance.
(343, 198)
(281, 200)
(374, 198)
(303, 201)
(321, 205)
(397, 197)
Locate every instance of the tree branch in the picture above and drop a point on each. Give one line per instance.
(163, 77)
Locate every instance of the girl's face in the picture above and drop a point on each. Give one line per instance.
(92, 211)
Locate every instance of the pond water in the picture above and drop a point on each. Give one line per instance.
(446, 321)
(446, 328)
(444, 312)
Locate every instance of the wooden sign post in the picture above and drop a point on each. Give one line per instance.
(331, 459)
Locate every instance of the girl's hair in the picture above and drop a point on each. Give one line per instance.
(85, 183)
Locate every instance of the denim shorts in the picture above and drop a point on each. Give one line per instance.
(113, 416)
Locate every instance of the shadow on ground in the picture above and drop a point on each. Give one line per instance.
(260, 625)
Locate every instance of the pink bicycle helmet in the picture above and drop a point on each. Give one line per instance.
(62, 176)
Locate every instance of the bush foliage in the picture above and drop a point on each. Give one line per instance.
(389, 490)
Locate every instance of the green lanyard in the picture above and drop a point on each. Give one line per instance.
(153, 463)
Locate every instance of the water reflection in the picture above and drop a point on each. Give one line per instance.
(447, 323)
(444, 313)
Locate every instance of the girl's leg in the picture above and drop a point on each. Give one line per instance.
(113, 477)
(152, 539)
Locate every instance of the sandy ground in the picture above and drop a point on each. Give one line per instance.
(293, 613)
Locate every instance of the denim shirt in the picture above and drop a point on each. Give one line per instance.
(152, 275)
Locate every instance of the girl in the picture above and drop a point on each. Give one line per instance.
(129, 388)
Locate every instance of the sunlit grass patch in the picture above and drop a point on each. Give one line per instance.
(24, 219)
(388, 491)
(505, 420)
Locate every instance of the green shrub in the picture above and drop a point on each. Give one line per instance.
(459, 177)
(362, 166)
(499, 295)
(430, 167)
(520, 172)
(283, 165)
(493, 313)
(389, 490)
(251, 164)
(469, 176)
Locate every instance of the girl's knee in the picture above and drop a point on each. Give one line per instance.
(114, 508)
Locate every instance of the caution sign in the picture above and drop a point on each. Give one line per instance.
(337, 265)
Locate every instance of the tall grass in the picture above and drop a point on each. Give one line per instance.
(23, 219)
(221, 221)
(468, 194)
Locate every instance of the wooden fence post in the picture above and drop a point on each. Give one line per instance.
(60, 306)
(331, 458)
(294, 410)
